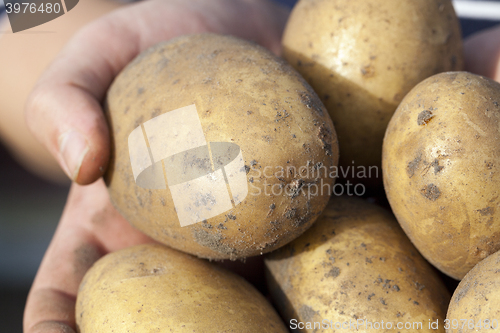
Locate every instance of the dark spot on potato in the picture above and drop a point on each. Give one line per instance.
(430, 192)
(205, 224)
(396, 287)
(205, 200)
(419, 286)
(157, 270)
(281, 115)
(367, 71)
(413, 165)
(424, 117)
(462, 291)
(213, 241)
(155, 113)
(299, 221)
(307, 313)
(310, 102)
(486, 211)
(382, 301)
(370, 296)
(294, 187)
(140, 91)
(290, 213)
(325, 135)
(162, 63)
(138, 121)
(334, 272)
(246, 168)
(436, 166)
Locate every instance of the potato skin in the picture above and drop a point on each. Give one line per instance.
(354, 263)
(440, 167)
(150, 288)
(244, 95)
(477, 297)
(362, 57)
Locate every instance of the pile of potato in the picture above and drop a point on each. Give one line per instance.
(376, 83)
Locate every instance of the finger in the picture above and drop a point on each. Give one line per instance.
(64, 111)
(89, 228)
(482, 53)
(53, 312)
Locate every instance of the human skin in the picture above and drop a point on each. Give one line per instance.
(23, 59)
(482, 53)
(67, 99)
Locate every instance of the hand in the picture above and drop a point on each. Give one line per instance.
(89, 228)
(64, 112)
(482, 53)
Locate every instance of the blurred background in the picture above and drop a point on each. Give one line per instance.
(30, 206)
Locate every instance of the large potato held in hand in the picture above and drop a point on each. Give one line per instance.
(151, 288)
(441, 163)
(355, 265)
(362, 58)
(219, 147)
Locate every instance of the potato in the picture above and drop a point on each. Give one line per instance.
(440, 166)
(362, 57)
(355, 266)
(475, 304)
(151, 288)
(217, 145)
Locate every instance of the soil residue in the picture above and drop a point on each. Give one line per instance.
(334, 272)
(436, 166)
(213, 241)
(309, 102)
(424, 117)
(307, 313)
(325, 135)
(430, 192)
(413, 166)
(486, 211)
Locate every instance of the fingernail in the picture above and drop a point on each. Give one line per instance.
(73, 147)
